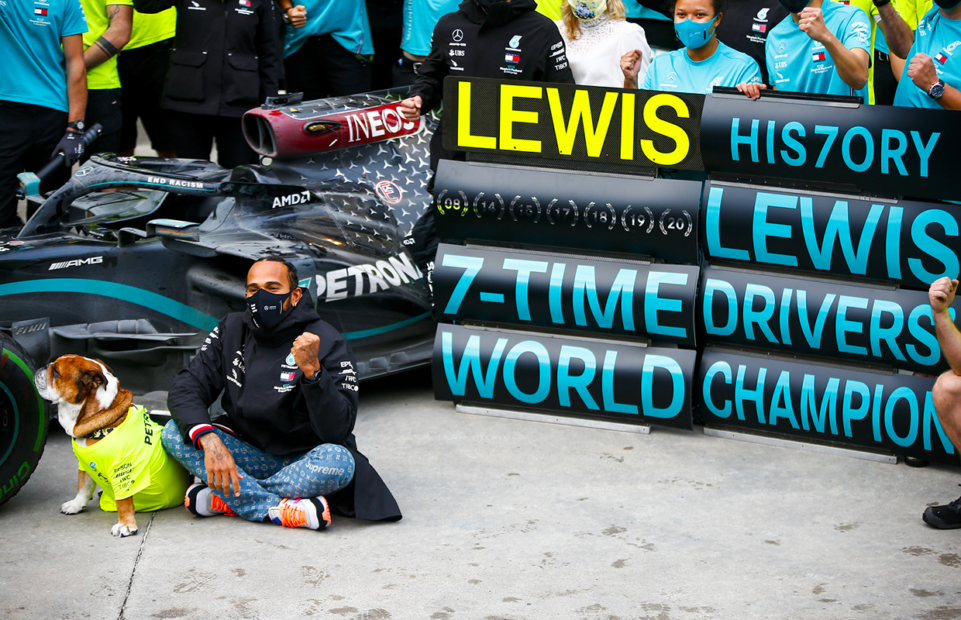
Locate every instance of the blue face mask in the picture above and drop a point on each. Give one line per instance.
(694, 35)
(266, 309)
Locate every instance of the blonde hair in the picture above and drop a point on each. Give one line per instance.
(572, 25)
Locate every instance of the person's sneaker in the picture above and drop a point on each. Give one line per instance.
(200, 501)
(946, 517)
(311, 513)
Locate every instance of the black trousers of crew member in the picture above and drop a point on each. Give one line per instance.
(884, 83)
(104, 107)
(28, 135)
(323, 68)
(142, 73)
(405, 71)
(386, 19)
(193, 137)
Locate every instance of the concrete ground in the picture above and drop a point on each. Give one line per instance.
(511, 519)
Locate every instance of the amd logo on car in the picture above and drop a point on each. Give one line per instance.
(93, 260)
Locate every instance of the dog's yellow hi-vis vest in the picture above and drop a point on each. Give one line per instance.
(131, 461)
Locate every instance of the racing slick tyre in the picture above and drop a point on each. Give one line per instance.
(23, 419)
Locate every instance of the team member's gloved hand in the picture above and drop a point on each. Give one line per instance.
(72, 147)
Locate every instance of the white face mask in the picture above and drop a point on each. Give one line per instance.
(587, 10)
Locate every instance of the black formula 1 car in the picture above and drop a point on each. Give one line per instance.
(135, 260)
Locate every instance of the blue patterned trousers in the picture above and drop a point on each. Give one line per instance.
(268, 478)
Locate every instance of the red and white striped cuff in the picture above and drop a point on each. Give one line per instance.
(198, 430)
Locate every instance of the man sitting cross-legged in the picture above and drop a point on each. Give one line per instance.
(285, 452)
(947, 391)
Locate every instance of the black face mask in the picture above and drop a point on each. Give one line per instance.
(947, 5)
(266, 309)
(794, 6)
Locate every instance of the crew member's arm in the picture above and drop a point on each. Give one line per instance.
(922, 72)
(113, 39)
(267, 52)
(852, 64)
(897, 32)
(296, 14)
(428, 88)
(555, 66)
(154, 6)
(329, 385)
(76, 77)
(194, 389)
(941, 295)
(197, 386)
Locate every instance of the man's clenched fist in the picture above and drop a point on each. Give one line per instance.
(305, 350)
(410, 108)
(941, 294)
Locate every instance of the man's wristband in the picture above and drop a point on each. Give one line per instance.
(286, 17)
(106, 47)
(880, 3)
(199, 431)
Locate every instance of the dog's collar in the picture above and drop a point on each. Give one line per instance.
(100, 433)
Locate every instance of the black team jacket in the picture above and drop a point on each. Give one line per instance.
(512, 42)
(225, 57)
(270, 405)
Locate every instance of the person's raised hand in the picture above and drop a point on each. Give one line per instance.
(812, 23)
(922, 72)
(941, 294)
(221, 469)
(305, 350)
(631, 65)
(752, 90)
(410, 107)
(298, 16)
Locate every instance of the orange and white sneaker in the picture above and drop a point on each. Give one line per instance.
(200, 501)
(312, 513)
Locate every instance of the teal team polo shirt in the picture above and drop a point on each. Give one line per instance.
(798, 63)
(33, 61)
(344, 20)
(420, 17)
(676, 72)
(939, 38)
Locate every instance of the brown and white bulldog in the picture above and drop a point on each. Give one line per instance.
(89, 399)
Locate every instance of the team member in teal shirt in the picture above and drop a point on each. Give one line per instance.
(933, 74)
(703, 62)
(822, 47)
(328, 48)
(420, 17)
(43, 91)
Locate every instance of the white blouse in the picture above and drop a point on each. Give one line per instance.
(595, 56)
